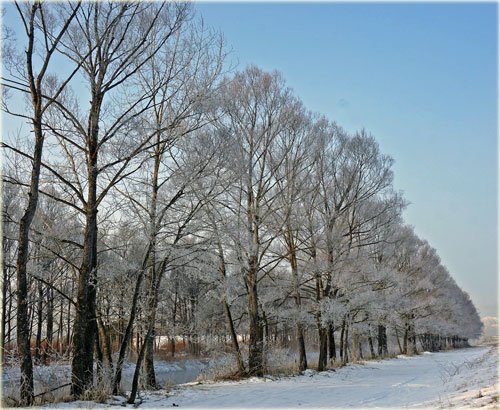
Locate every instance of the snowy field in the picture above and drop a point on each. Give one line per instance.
(464, 378)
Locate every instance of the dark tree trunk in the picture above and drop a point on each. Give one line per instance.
(346, 344)
(127, 335)
(85, 326)
(413, 340)
(331, 343)
(9, 321)
(399, 343)
(322, 334)
(302, 348)
(149, 368)
(60, 330)
(137, 372)
(49, 330)
(105, 338)
(34, 81)
(35, 87)
(153, 303)
(172, 346)
(255, 348)
(382, 341)
(68, 323)
(39, 323)
(5, 283)
(23, 326)
(152, 289)
(323, 348)
(405, 340)
(174, 322)
(99, 356)
(234, 338)
(292, 258)
(341, 347)
(372, 350)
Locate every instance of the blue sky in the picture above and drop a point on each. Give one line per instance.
(422, 78)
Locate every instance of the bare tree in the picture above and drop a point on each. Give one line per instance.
(181, 77)
(256, 110)
(38, 24)
(292, 176)
(114, 42)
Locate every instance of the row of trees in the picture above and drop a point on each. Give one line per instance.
(158, 192)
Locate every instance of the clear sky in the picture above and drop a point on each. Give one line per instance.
(422, 78)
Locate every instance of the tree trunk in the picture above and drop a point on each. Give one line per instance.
(355, 346)
(172, 346)
(346, 335)
(153, 303)
(137, 371)
(405, 340)
(152, 289)
(34, 81)
(49, 329)
(39, 324)
(60, 330)
(127, 335)
(292, 258)
(331, 343)
(382, 341)
(5, 302)
(9, 321)
(413, 339)
(99, 356)
(225, 304)
(106, 342)
(302, 347)
(68, 323)
(84, 329)
(323, 347)
(372, 350)
(234, 338)
(149, 368)
(399, 343)
(23, 326)
(255, 353)
(341, 347)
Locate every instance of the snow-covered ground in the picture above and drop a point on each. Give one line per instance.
(465, 377)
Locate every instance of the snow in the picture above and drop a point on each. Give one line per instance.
(430, 380)
(463, 377)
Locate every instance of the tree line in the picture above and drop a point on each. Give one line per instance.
(152, 191)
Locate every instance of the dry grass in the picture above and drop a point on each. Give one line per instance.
(223, 369)
(9, 402)
(283, 369)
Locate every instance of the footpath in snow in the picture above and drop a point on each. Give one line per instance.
(464, 377)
